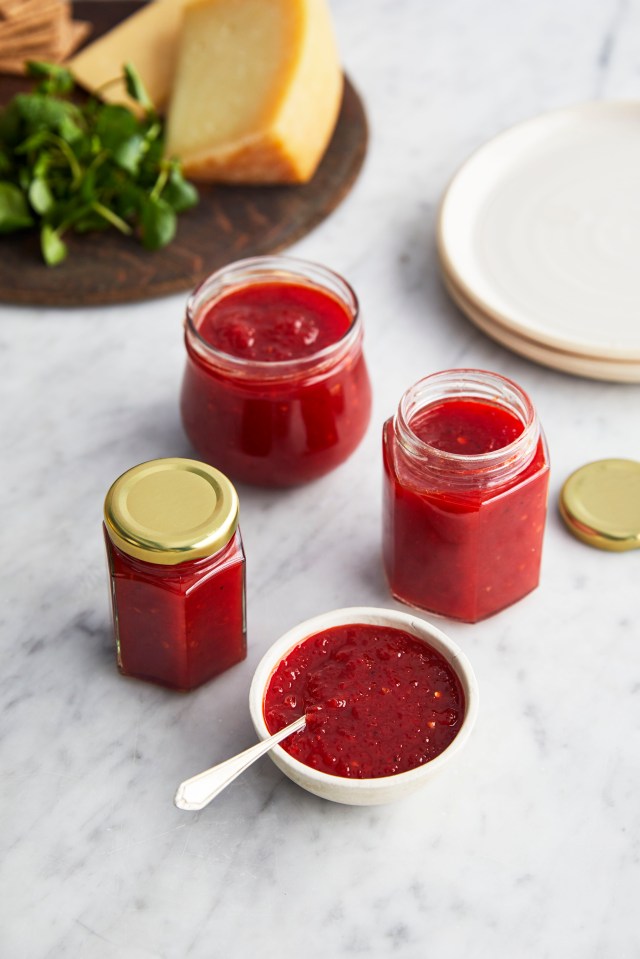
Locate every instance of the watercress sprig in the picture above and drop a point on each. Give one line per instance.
(85, 166)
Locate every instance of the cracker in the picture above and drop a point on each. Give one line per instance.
(78, 32)
(16, 10)
(12, 59)
(49, 17)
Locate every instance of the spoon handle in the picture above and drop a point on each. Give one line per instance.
(197, 792)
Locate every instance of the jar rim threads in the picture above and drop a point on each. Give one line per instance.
(462, 471)
(269, 269)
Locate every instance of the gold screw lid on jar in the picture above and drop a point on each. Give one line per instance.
(169, 511)
(600, 503)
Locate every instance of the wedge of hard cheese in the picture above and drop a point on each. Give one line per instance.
(257, 90)
(147, 39)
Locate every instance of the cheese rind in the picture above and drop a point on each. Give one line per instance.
(257, 90)
(148, 39)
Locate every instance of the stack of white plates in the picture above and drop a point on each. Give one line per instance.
(539, 240)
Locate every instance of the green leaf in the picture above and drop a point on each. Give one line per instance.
(39, 110)
(40, 196)
(14, 210)
(129, 154)
(154, 131)
(10, 124)
(59, 151)
(89, 167)
(69, 130)
(55, 79)
(179, 193)
(115, 123)
(130, 201)
(158, 223)
(33, 142)
(54, 250)
(120, 133)
(152, 160)
(136, 88)
(41, 165)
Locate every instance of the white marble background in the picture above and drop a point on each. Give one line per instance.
(529, 846)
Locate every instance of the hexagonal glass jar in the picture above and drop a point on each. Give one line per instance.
(177, 572)
(463, 531)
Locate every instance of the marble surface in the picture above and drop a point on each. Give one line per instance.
(529, 845)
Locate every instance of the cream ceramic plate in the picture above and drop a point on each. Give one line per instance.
(611, 370)
(540, 230)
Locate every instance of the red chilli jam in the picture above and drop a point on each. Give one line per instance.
(176, 566)
(378, 701)
(276, 390)
(465, 493)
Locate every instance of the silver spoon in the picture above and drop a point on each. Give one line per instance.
(197, 792)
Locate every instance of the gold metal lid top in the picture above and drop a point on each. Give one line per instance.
(600, 503)
(171, 510)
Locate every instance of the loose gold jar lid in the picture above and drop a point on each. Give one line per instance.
(168, 511)
(600, 503)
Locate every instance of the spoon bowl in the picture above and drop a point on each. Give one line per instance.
(196, 793)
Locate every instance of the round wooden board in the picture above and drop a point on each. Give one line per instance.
(228, 224)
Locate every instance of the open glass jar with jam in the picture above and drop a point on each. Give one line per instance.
(177, 571)
(465, 494)
(276, 390)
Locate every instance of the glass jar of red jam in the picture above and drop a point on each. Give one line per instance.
(276, 390)
(465, 495)
(177, 570)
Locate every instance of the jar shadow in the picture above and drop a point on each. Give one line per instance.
(95, 639)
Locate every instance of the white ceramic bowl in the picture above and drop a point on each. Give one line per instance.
(363, 792)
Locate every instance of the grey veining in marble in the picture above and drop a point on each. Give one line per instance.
(529, 846)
